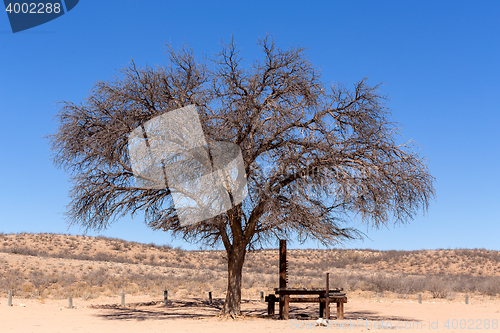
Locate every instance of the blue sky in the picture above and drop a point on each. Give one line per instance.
(439, 60)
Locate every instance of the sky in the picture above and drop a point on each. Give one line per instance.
(439, 62)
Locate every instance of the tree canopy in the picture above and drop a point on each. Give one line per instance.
(313, 154)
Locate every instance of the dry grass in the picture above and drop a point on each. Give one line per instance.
(52, 265)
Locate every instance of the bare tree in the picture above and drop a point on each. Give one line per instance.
(314, 155)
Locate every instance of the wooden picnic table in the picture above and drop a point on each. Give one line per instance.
(317, 295)
(324, 296)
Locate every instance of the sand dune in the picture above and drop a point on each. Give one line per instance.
(44, 269)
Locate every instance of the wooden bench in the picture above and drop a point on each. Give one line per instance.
(324, 296)
(284, 296)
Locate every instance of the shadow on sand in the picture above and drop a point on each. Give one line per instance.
(199, 309)
(194, 308)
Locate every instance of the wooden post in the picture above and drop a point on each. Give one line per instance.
(466, 299)
(283, 265)
(70, 302)
(327, 297)
(165, 296)
(123, 299)
(321, 309)
(281, 306)
(419, 298)
(270, 304)
(282, 276)
(262, 297)
(378, 297)
(9, 301)
(286, 307)
(209, 297)
(340, 310)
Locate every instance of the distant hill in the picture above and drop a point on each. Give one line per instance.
(39, 265)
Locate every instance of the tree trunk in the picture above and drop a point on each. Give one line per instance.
(236, 258)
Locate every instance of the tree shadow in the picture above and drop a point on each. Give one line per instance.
(156, 310)
(197, 308)
(375, 316)
(311, 312)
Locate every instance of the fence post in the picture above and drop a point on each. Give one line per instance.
(9, 302)
(419, 298)
(378, 297)
(262, 297)
(70, 301)
(209, 297)
(466, 299)
(123, 299)
(327, 297)
(165, 296)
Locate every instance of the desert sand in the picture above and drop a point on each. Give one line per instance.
(44, 269)
(142, 314)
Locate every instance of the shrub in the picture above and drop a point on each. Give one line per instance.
(439, 288)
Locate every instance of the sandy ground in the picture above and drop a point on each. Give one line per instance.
(142, 314)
